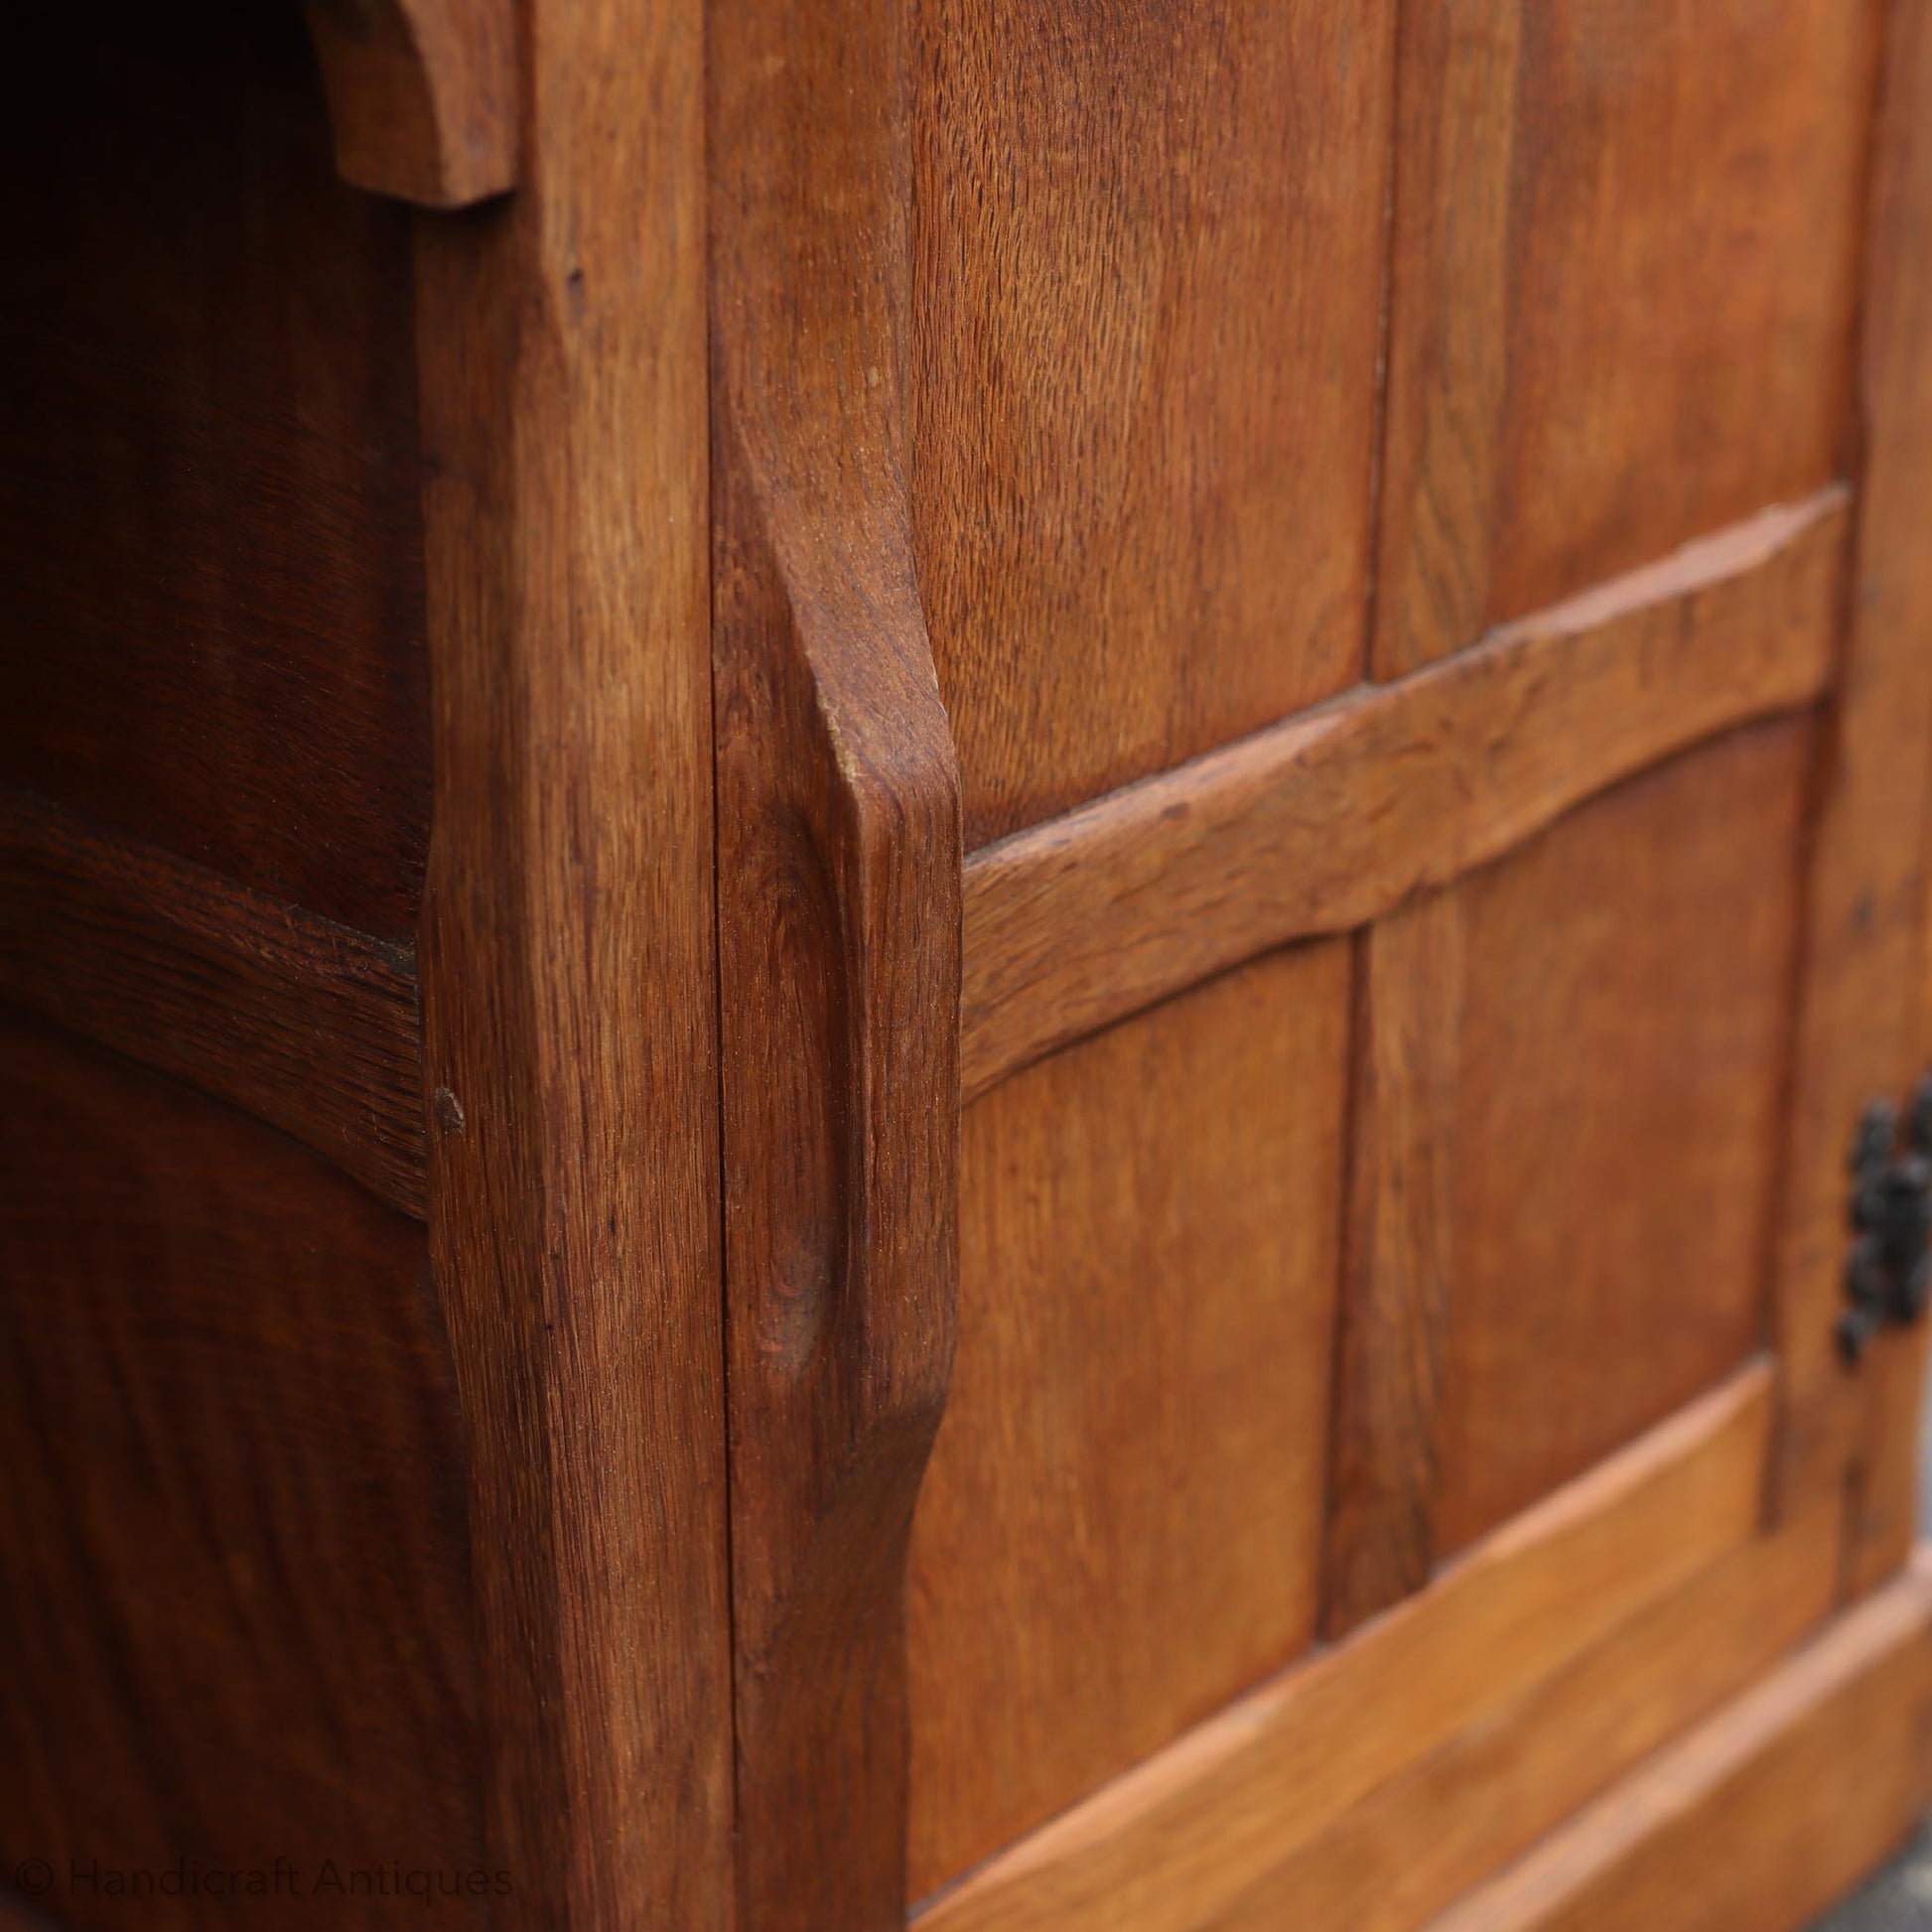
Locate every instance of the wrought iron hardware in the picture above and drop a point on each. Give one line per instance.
(1888, 1275)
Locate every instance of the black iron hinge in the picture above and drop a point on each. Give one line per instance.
(1889, 1270)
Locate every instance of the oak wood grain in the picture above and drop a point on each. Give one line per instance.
(1449, 291)
(1624, 288)
(1399, 1260)
(1068, 321)
(1183, 1835)
(423, 95)
(568, 974)
(1740, 1823)
(839, 880)
(1335, 816)
(1146, 282)
(301, 1021)
(1135, 1441)
(235, 1601)
(1629, 1002)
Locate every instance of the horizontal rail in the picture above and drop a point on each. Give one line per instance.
(1764, 1813)
(307, 1024)
(1172, 1845)
(1419, 1841)
(1337, 815)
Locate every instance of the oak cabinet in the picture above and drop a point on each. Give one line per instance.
(950, 953)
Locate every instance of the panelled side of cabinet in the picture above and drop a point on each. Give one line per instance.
(237, 1582)
(1144, 309)
(1516, 754)
(365, 1493)
(1517, 431)
(1610, 1134)
(1484, 387)
(1142, 518)
(1568, 819)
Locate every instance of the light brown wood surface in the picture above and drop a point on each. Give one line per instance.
(1181, 1837)
(1623, 282)
(1740, 1823)
(1417, 1843)
(1447, 381)
(1142, 507)
(1335, 817)
(1135, 1442)
(568, 974)
(1613, 1136)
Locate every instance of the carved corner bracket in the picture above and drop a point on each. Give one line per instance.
(423, 95)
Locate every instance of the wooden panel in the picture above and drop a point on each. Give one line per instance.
(299, 1021)
(1333, 819)
(1862, 1032)
(235, 1597)
(210, 561)
(569, 973)
(1183, 1837)
(1628, 999)
(1547, 425)
(1135, 1441)
(1761, 1816)
(1412, 1846)
(1148, 287)
(1400, 1263)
